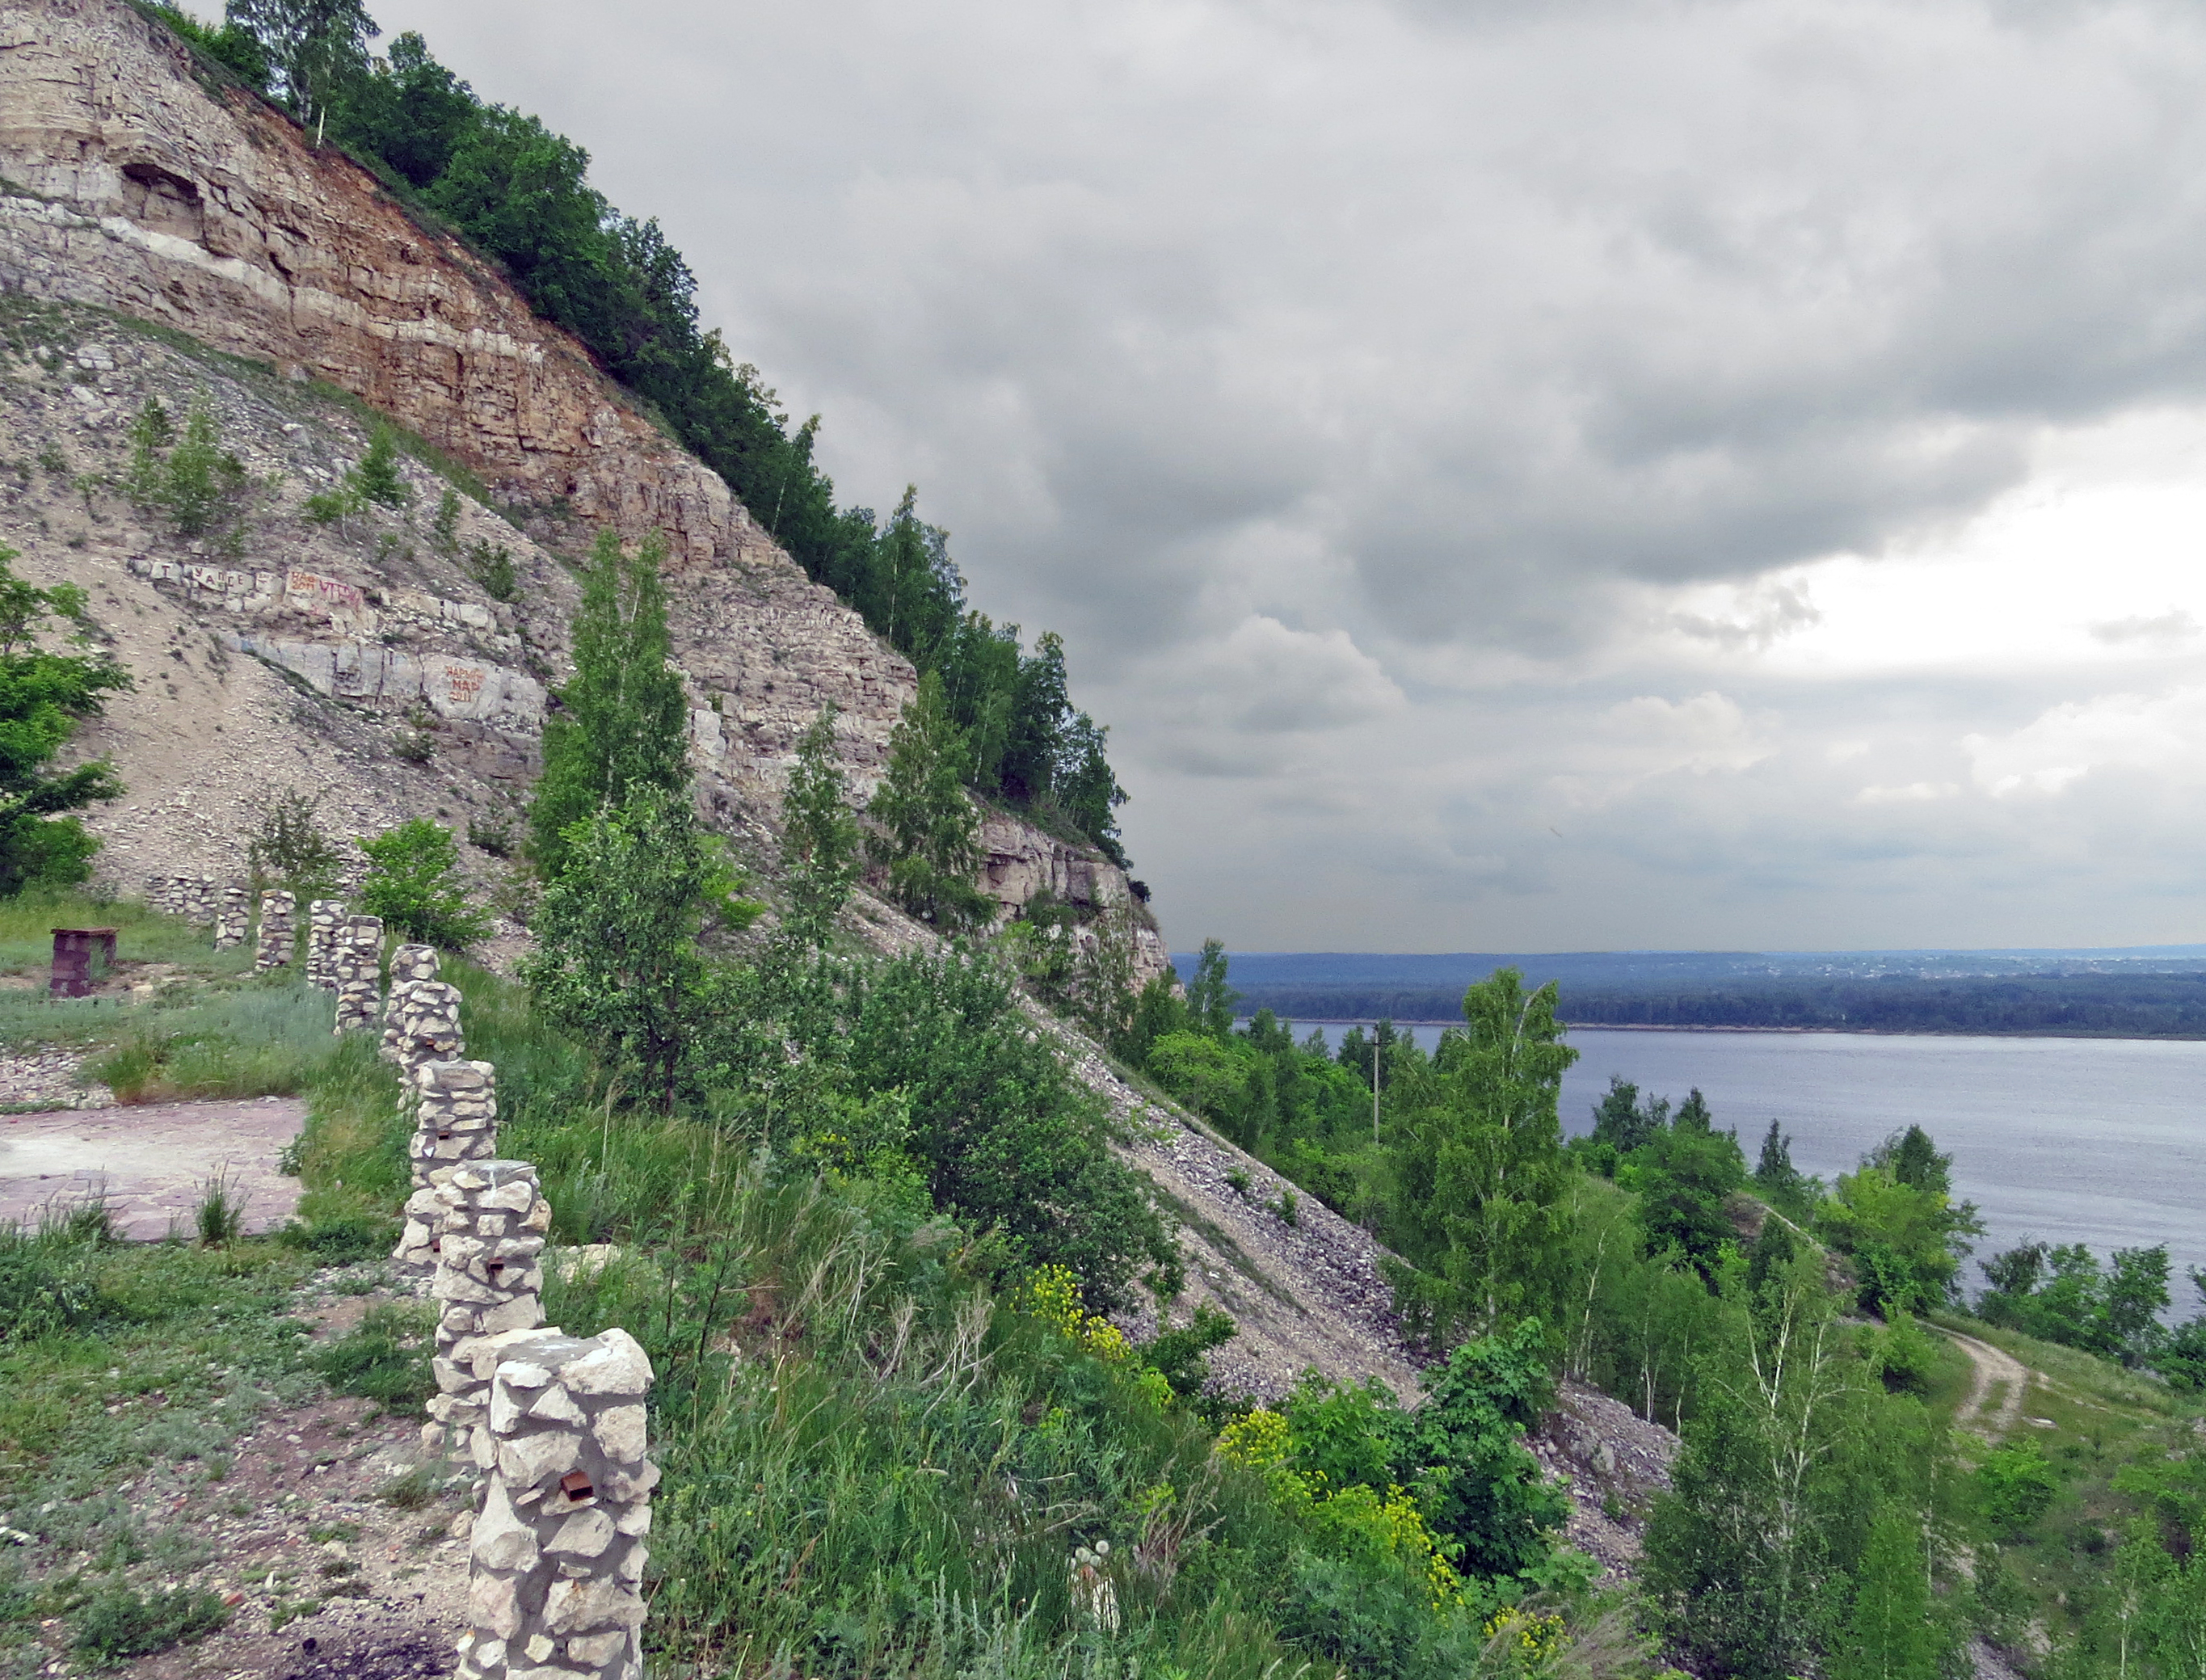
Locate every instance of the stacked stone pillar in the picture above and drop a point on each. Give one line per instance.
(234, 921)
(274, 949)
(484, 1224)
(158, 892)
(196, 899)
(455, 1115)
(325, 917)
(556, 1551)
(409, 963)
(358, 972)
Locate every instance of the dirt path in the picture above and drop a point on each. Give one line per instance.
(1992, 1365)
(152, 1163)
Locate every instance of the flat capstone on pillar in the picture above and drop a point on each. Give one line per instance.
(557, 1553)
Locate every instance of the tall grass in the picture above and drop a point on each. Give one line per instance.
(27, 921)
(272, 1039)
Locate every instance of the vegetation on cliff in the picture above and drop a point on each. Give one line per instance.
(521, 195)
(45, 692)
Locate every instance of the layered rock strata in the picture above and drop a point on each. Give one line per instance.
(127, 183)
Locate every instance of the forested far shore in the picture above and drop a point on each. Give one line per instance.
(2130, 1006)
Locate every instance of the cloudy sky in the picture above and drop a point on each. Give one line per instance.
(1514, 475)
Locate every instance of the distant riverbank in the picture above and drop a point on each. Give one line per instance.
(2097, 1140)
(2088, 1005)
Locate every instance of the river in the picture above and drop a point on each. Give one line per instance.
(2096, 1140)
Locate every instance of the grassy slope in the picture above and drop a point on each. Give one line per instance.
(2091, 1417)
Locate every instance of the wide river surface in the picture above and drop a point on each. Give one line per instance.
(2096, 1140)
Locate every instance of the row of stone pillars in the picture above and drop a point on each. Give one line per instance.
(553, 1424)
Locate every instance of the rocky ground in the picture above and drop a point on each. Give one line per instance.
(335, 1549)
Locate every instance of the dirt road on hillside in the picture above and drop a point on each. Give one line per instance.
(1993, 1366)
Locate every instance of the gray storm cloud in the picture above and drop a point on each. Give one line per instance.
(1364, 390)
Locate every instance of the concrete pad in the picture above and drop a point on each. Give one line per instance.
(153, 1161)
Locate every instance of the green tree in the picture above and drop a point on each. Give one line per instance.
(44, 695)
(622, 721)
(1778, 1182)
(152, 433)
(1739, 1552)
(1200, 1071)
(930, 837)
(1210, 998)
(1010, 1140)
(1480, 1211)
(1682, 1175)
(377, 477)
(1894, 1632)
(201, 485)
(314, 47)
(413, 882)
(822, 847)
(617, 961)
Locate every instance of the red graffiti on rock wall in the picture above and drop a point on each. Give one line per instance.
(329, 591)
(466, 683)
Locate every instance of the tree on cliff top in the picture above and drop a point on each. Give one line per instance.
(44, 696)
(622, 721)
(314, 46)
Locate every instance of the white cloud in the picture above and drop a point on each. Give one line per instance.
(1511, 475)
(2161, 735)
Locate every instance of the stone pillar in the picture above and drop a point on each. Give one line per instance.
(455, 1115)
(274, 949)
(197, 905)
(157, 892)
(409, 963)
(323, 917)
(556, 1551)
(358, 973)
(483, 1223)
(234, 921)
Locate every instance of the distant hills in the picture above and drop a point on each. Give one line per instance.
(2124, 992)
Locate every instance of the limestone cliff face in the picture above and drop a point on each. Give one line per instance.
(129, 186)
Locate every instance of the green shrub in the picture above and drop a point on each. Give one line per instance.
(119, 1622)
(385, 1358)
(339, 1239)
(2015, 1486)
(45, 1286)
(414, 884)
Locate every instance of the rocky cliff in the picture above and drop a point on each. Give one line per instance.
(131, 185)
